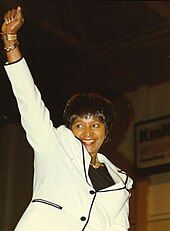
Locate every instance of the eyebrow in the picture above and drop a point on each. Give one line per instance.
(81, 120)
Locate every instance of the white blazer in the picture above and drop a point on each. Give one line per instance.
(63, 196)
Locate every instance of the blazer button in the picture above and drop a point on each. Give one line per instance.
(92, 192)
(83, 218)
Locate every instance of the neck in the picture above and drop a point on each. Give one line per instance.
(95, 162)
(94, 159)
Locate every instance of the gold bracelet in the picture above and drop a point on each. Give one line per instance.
(12, 47)
(9, 37)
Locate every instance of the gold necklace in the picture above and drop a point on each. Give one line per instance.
(96, 165)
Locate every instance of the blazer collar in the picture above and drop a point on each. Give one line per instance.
(112, 169)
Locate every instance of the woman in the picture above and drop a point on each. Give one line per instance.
(75, 187)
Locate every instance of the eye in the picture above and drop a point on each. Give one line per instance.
(79, 126)
(96, 125)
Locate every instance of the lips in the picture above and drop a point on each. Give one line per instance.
(88, 142)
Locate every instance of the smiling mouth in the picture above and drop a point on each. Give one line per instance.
(87, 142)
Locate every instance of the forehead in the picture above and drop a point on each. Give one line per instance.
(88, 119)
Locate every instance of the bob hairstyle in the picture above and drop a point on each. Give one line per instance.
(87, 105)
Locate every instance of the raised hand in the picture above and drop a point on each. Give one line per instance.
(13, 21)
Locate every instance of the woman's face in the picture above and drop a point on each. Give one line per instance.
(91, 131)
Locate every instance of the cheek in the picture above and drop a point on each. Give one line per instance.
(102, 137)
(103, 134)
(75, 132)
(102, 140)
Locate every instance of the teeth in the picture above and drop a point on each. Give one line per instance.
(88, 142)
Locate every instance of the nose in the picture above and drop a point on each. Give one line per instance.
(88, 132)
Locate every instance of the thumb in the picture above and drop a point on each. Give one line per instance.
(18, 8)
(19, 14)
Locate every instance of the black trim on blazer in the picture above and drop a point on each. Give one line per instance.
(111, 190)
(126, 178)
(100, 191)
(84, 163)
(89, 212)
(7, 64)
(48, 203)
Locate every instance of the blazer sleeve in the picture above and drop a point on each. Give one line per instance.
(121, 223)
(35, 116)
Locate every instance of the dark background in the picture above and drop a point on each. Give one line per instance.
(110, 47)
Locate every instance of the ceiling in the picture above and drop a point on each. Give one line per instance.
(110, 47)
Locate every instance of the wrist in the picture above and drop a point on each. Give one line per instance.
(9, 36)
(10, 41)
(11, 47)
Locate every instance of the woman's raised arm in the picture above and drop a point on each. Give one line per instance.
(35, 117)
(13, 21)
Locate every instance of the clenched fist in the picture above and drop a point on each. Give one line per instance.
(13, 21)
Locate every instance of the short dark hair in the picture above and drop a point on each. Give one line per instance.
(90, 104)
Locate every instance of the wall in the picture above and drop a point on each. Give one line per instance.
(150, 201)
(16, 168)
(148, 103)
